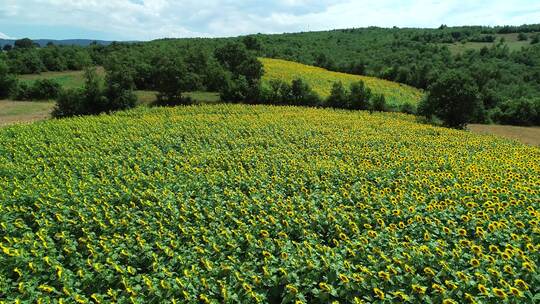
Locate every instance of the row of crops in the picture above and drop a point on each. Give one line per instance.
(260, 204)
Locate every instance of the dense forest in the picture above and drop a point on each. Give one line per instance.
(505, 80)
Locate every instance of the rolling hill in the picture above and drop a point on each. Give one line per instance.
(321, 80)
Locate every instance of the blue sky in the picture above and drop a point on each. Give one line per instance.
(152, 19)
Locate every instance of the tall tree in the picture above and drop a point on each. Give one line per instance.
(454, 98)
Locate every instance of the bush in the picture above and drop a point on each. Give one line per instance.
(302, 94)
(407, 108)
(522, 37)
(45, 89)
(378, 103)
(298, 93)
(69, 103)
(119, 87)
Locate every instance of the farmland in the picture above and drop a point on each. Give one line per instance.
(321, 80)
(236, 203)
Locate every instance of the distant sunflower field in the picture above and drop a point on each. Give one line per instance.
(262, 204)
(321, 81)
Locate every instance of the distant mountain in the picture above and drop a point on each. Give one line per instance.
(43, 42)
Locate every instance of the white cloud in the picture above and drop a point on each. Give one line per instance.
(4, 36)
(150, 19)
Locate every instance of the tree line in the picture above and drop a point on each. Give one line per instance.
(506, 82)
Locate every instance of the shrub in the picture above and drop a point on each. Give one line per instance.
(119, 87)
(172, 79)
(94, 99)
(69, 103)
(44, 89)
(378, 103)
(407, 108)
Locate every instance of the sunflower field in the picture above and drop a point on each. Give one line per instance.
(262, 204)
(321, 81)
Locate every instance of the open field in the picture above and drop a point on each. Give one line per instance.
(23, 111)
(511, 40)
(67, 79)
(526, 135)
(236, 203)
(321, 80)
(12, 112)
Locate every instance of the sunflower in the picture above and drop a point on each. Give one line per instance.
(516, 292)
(483, 290)
(378, 293)
(499, 293)
(419, 289)
(521, 284)
(384, 275)
(474, 262)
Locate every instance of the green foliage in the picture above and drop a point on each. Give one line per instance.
(378, 103)
(359, 96)
(298, 93)
(69, 103)
(522, 37)
(7, 80)
(235, 58)
(454, 98)
(338, 97)
(24, 43)
(93, 98)
(523, 111)
(172, 78)
(119, 87)
(41, 89)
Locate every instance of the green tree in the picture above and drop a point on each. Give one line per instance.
(172, 79)
(7, 80)
(378, 103)
(24, 43)
(338, 97)
(522, 36)
(359, 96)
(236, 58)
(302, 94)
(454, 98)
(119, 87)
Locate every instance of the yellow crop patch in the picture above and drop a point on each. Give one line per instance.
(247, 204)
(321, 80)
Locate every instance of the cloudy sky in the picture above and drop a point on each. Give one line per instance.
(151, 19)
